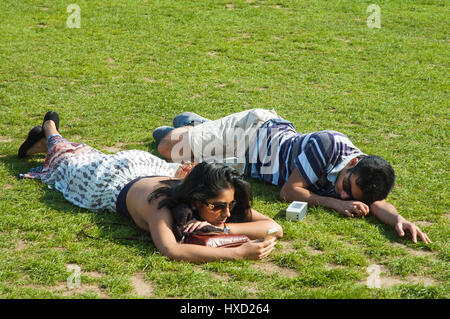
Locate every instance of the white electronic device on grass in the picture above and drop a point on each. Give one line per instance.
(296, 211)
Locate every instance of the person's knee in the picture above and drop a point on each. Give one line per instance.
(167, 143)
(164, 149)
(176, 142)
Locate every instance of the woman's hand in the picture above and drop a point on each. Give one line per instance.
(184, 170)
(194, 225)
(351, 208)
(256, 249)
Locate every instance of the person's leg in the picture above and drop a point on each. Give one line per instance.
(38, 147)
(176, 137)
(214, 139)
(34, 137)
(183, 119)
(49, 128)
(36, 141)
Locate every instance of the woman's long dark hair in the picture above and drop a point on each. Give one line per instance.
(206, 181)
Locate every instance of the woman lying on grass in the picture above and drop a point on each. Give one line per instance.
(159, 197)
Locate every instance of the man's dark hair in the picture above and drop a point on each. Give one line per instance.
(375, 176)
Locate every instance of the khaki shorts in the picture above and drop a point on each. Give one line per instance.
(228, 137)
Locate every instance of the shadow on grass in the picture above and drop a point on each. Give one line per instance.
(390, 233)
(18, 166)
(152, 147)
(105, 225)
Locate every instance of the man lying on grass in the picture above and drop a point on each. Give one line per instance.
(322, 168)
(170, 201)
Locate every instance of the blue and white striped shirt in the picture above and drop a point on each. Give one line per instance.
(318, 156)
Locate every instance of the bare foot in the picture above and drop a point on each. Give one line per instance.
(38, 147)
(49, 128)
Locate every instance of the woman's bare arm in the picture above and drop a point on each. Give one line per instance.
(257, 227)
(159, 225)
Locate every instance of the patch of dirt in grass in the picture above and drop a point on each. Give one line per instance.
(84, 288)
(212, 53)
(417, 252)
(77, 138)
(378, 277)
(313, 251)
(342, 39)
(329, 266)
(426, 281)
(21, 244)
(280, 7)
(270, 268)
(287, 247)
(8, 186)
(392, 135)
(141, 287)
(252, 291)
(94, 274)
(63, 288)
(219, 276)
(421, 253)
(5, 139)
(114, 149)
(223, 277)
(387, 282)
(424, 223)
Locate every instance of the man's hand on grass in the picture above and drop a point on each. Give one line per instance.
(404, 225)
(351, 208)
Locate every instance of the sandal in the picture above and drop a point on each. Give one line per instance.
(35, 134)
(51, 115)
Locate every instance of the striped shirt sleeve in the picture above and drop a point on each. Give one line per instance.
(317, 152)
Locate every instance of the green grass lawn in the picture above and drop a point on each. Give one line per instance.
(134, 65)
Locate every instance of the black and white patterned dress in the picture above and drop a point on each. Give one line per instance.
(91, 179)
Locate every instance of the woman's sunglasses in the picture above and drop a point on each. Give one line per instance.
(220, 206)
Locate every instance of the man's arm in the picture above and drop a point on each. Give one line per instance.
(388, 214)
(295, 189)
